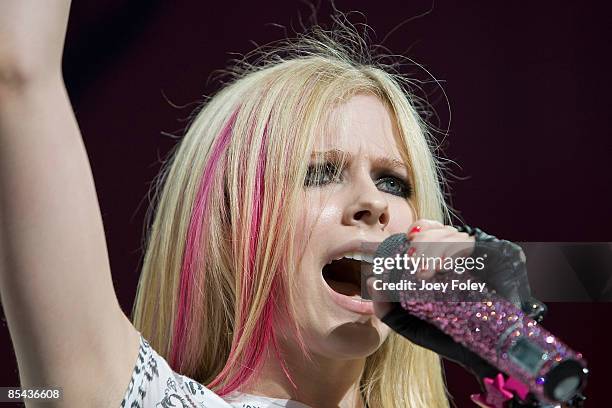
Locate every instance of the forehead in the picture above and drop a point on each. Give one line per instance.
(361, 126)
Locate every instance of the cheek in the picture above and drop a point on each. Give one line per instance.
(318, 213)
(402, 215)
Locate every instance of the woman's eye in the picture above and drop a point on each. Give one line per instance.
(326, 173)
(394, 185)
(321, 174)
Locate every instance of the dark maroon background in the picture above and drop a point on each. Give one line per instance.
(528, 85)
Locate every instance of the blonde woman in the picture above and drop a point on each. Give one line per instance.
(294, 164)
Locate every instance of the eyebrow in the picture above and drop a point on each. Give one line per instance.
(336, 155)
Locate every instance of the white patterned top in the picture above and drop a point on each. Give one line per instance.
(154, 384)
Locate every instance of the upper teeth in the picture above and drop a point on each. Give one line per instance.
(358, 256)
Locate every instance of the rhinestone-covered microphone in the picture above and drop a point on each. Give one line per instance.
(496, 330)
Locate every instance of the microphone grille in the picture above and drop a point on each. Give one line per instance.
(393, 245)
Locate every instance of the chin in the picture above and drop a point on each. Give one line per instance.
(354, 340)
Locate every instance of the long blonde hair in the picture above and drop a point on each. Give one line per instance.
(220, 250)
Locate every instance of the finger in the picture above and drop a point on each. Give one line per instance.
(451, 244)
(457, 245)
(451, 249)
(423, 225)
(464, 244)
(433, 234)
(429, 245)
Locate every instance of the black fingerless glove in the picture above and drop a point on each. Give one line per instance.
(506, 273)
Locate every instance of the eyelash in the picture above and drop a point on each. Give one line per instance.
(330, 171)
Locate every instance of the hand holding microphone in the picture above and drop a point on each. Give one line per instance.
(469, 330)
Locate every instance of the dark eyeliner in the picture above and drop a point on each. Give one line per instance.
(404, 186)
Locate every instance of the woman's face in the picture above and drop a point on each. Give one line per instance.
(368, 202)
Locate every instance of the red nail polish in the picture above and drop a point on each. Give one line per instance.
(411, 251)
(415, 230)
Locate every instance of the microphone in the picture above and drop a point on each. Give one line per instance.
(494, 329)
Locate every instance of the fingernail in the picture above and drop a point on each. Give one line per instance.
(414, 230)
(411, 251)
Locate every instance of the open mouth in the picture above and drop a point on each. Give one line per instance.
(344, 275)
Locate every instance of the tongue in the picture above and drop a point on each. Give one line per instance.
(345, 288)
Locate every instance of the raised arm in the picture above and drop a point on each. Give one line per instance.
(65, 322)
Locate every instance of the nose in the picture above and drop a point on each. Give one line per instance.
(368, 206)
